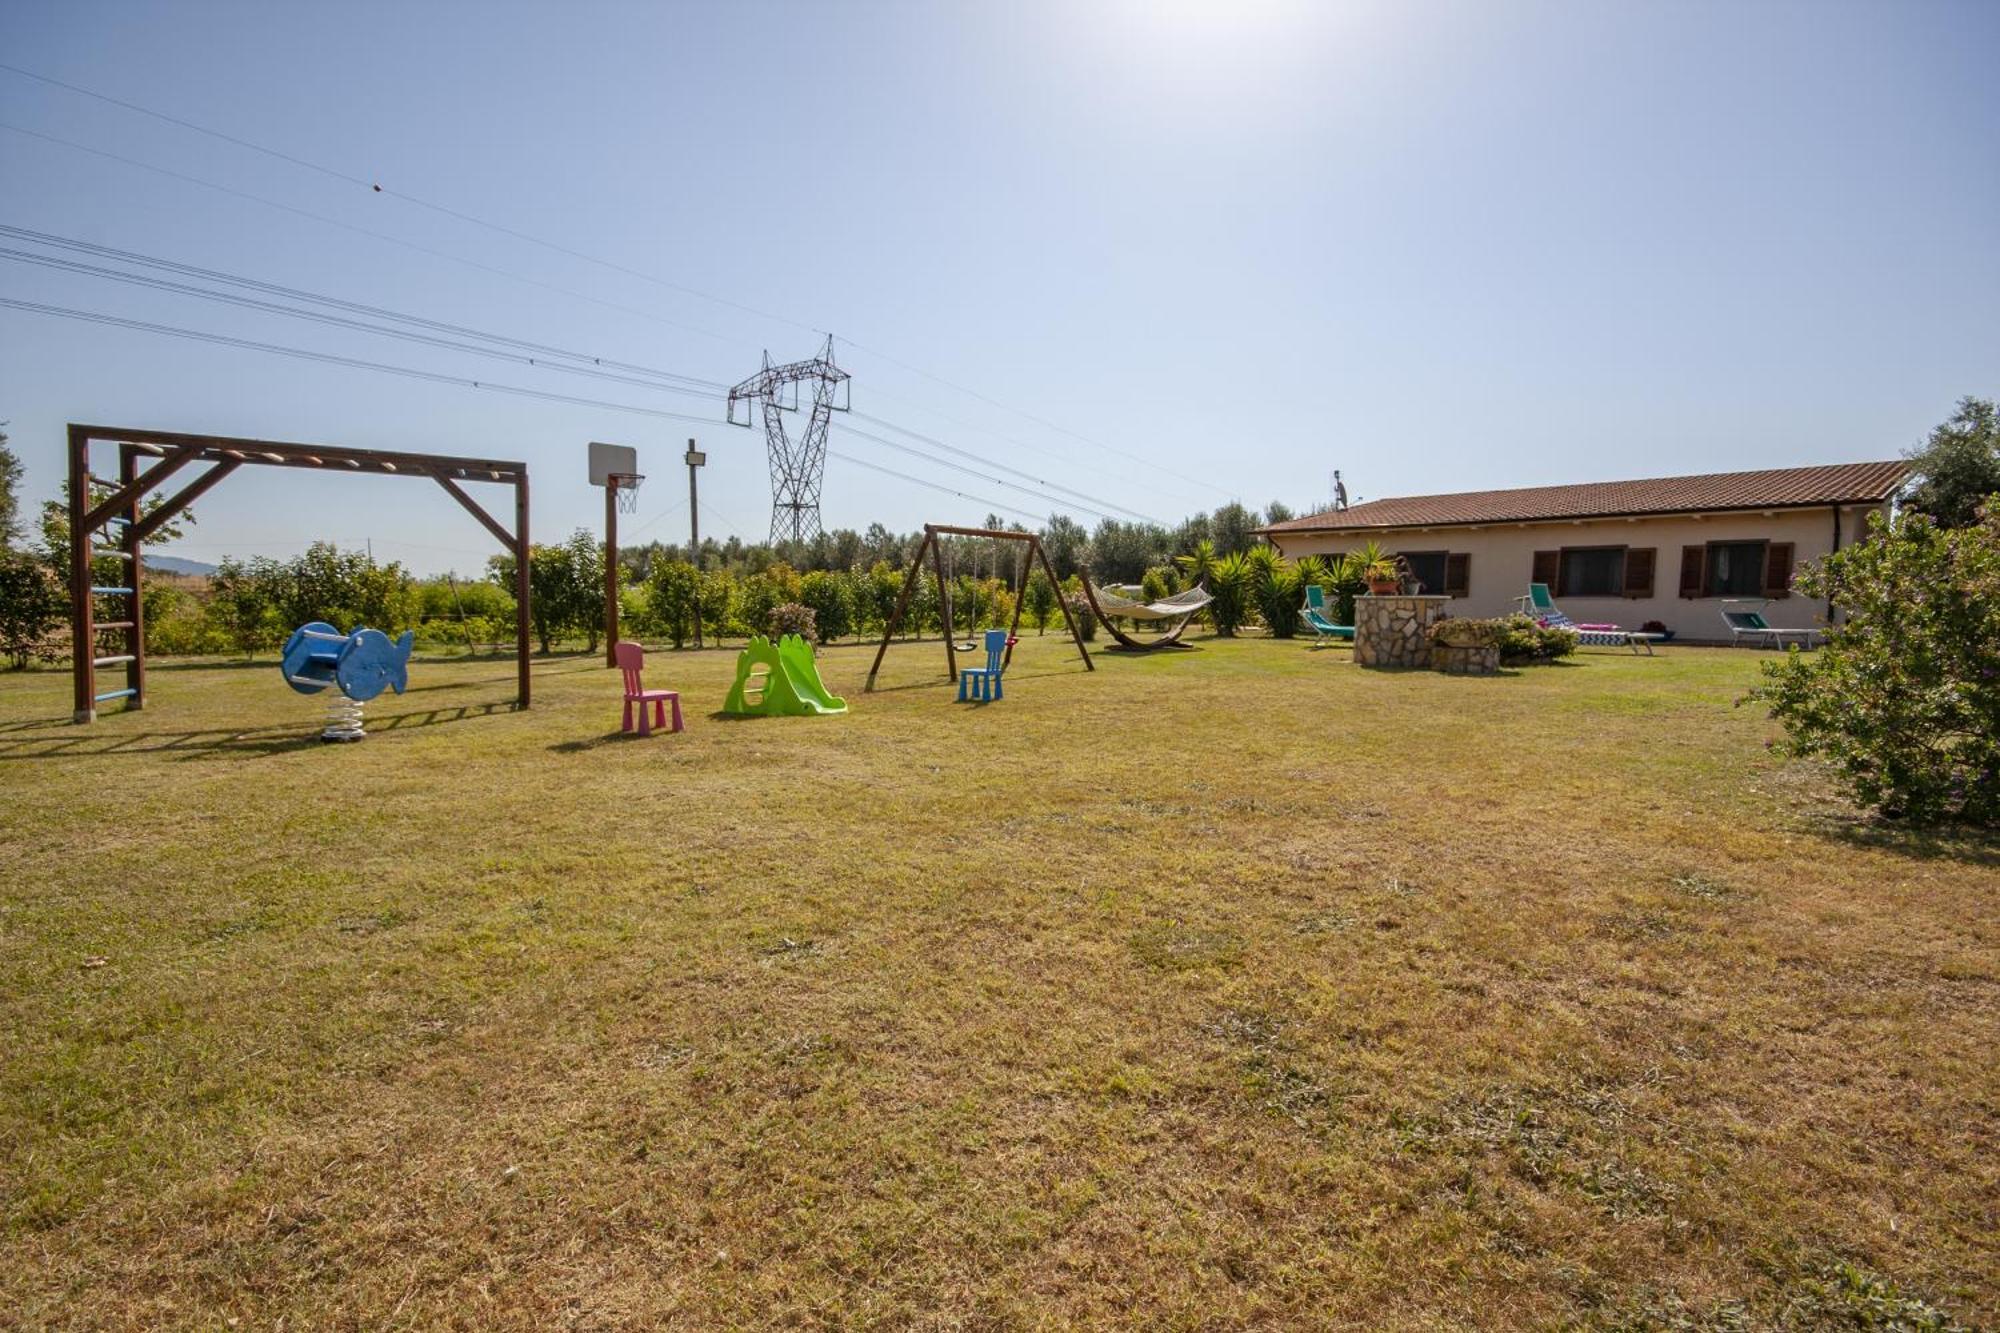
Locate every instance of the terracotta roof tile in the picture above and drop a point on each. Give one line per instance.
(1773, 488)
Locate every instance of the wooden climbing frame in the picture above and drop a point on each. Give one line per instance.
(123, 504)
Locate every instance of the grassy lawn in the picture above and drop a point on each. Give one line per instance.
(1233, 988)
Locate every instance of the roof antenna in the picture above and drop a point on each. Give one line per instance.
(1339, 491)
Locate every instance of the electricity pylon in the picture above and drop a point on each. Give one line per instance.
(796, 470)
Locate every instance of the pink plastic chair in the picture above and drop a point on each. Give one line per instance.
(631, 661)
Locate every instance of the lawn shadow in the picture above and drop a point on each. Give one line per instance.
(252, 741)
(587, 743)
(1966, 846)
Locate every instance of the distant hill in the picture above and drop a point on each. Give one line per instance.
(173, 564)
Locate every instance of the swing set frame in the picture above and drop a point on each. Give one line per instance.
(931, 545)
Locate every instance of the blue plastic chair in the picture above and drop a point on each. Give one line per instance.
(984, 682)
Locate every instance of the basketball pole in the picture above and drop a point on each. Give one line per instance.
(611, 572)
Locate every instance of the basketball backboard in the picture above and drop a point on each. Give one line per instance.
(608, 460)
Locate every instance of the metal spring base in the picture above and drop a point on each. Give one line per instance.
(343, 719)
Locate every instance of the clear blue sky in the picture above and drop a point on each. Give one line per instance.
(1439, 246)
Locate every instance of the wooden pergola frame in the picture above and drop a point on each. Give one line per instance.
(932, 531)
(175, 451)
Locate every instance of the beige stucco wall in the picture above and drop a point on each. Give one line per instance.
(1502, 561)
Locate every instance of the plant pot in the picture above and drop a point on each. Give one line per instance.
(1384, 587)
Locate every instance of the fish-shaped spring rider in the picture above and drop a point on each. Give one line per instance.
(358, 666)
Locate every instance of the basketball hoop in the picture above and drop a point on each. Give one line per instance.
(625, 488)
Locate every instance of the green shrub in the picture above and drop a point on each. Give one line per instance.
(671, 591)
(1904, 699)
(833, 609)
(32, 604)
(1522, 639)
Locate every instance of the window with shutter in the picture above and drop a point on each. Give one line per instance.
(1778, 570)
(1547, 568)
(1457, 574)
(1639, 561)
(1694, 569)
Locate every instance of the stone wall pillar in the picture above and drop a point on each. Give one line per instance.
(1395, 631)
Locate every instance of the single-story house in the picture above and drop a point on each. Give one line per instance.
(1624, 552)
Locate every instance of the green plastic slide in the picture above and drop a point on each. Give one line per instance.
(779, 681)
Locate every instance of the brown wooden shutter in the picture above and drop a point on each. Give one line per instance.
(1639, 562)
(1457, 573)
(1548, 568)
(1694, 568)
(1778, 569)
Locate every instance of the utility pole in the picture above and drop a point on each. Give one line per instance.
(695, 458)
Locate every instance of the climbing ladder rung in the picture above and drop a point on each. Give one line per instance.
(111, 555)
(112, 624)
(112, 694)
(111, 592)
(114, 661)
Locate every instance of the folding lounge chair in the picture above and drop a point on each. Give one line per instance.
(1745, 618)
(1540, 606)
(1321, 624)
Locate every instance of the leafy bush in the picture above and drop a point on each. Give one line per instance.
(1904, 699)
(760, 593)
(833, 609)
(1466, 632)
(1523, 639)
(32, 605)
(671, 593)
(792, 618)
(1041, 600)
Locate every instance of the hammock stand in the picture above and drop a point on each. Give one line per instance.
(1181, 608)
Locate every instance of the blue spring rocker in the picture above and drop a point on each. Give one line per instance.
(356, 666)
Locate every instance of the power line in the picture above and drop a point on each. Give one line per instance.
(589, 363)
(336, 321)
(611, 265)
(54, 241)
(1094, 506)
(385, 237)
(378, 188)
(980, 458)
(936, 486)
(970, 472)
(437, 377)
(304, 354)
(1040, 421)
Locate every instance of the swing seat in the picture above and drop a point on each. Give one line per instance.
(984, 682)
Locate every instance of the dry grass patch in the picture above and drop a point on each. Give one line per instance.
(1225, 990)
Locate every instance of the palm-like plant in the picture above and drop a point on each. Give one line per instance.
(1199, 563)
(1229, 586)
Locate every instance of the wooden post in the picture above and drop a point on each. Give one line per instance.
(944, 604)
(135, 630)
(83, 667)
(521, 593)
(611, 572)
(1063, 602)
(902, 601)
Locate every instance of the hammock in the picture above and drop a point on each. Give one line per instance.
(1181, 607)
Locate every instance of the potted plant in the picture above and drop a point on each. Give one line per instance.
(1384, 578)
